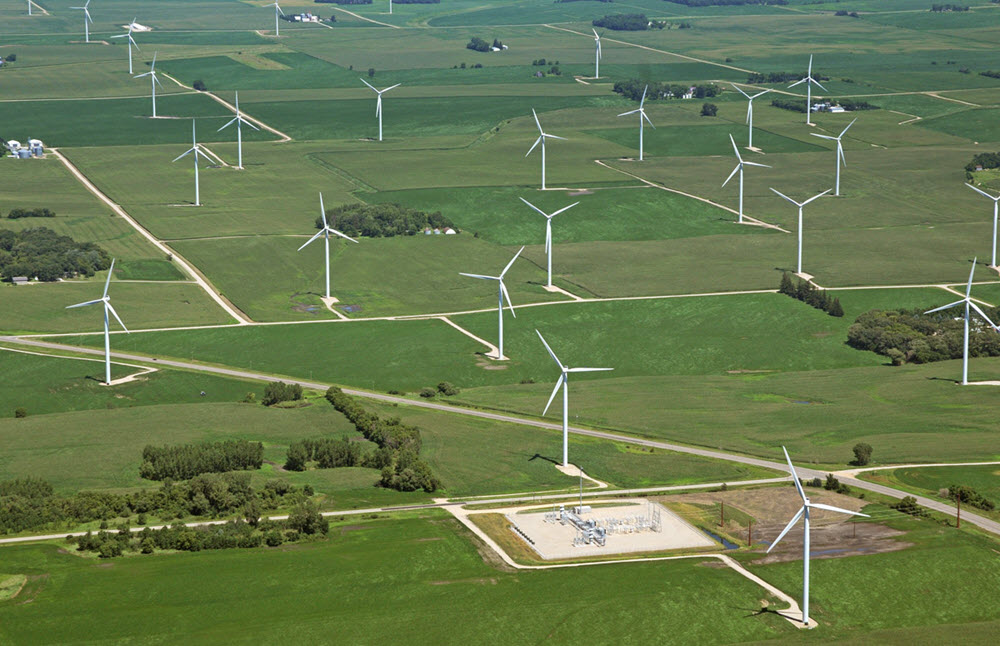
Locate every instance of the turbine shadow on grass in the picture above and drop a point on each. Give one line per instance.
(539, 456)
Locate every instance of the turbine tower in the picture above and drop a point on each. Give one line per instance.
(809, 81)
(739, 169)
(277, 10)
(840, 152)
(131, 41)
(86, 19)
(803, 513)
(29, 7)
(542, 135)
(153, 81)
(597, 59)
(563, 382)
(325, 232)
(548, 231)
(967, 301)
(642, 116)
(502, 294)
(197, 151)
(995, 201)
(750, 111)
(800, 205)
(106, 301)
(239, 121)
(378, 104)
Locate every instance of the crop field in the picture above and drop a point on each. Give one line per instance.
(654, 277)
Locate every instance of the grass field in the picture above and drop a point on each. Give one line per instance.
(930, 481)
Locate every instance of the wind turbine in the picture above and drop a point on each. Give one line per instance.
(197, 151)
(106, 300)
(563, 382)
(29, 7)
(86, 19)
(840, 151)
(541, 140)
(965, 338)
(642, 116)
(739, 169)
(548, 230)
(597, 60)
(996, 200)
(239, 120)
(153, 81)
(800, 205)
(390, 7)
(277, 10)
(804, 514)
(325, 232)
(750, 110)
(809, 81)
(378, 104)
(502, 291)
(131, 41)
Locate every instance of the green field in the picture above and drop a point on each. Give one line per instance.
(931, 481)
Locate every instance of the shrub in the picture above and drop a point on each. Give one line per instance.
(278, 391)
(199, 85)
(382, 220)
(306, 519)
(970, 496)
(862, 454)
(20, 412)
(40, 212)
(447, 388)
(427, 392)
(478, 44)
(908, 505)
(709, 110)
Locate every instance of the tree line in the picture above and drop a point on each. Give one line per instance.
(327, 452)
(382, 220)
(41, 253)
(276, 392)
(809, 294)
(40, 212)
(986, 160)
(31, 504)
(344, 1)
(181, 462)
(628, 22)
(404, 470)
(910, 336)
(726, 3)
(756, 78)
(633, 88)
(480, 45)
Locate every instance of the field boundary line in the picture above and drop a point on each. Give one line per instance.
(752, 221)
(492, 348)
(982, 522)
(948, 98)
(854, 472)
(651, 49)
(189, 268)
(351, 13)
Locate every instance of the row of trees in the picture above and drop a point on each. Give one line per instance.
(781, 77)
(181, 462)
(30, 504)
(344, 1)
(327, 452)
(278, 391)
(633, 88)
(970, 496)
(43, 254)
(628, 22)
(993, 74)
(726, 3)
(480, 45)
(910, 336)
(40, 212)
(808, 293)
(382, 220)
(399, 444)
(948, 7)
(986, 160)
(789, 104)
(304, 521)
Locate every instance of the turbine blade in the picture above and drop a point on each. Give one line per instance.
(844, 131)
(342, 235)
(746, 163)
(322, 211)
(559, 382)
(983, 193)
(107, 282)
(99, 300)
(551, 353)
(823, 136)
(506, 294)
(797, 82)
(391, 87)
(735, 87)
(972, 270)
(185, 153)
(646, 117)
(760, 94)
(735, 148)
(787, 198)
(983, 314)
(588, 369)
(790, 524)
(818, 84)
(795, 476)
(478, 276)
(367, 83)
(248, 123)
(816, 197)
(117, 318)
(234, 120)
(643, 99)
(548, 236)
(565, 208)
(533, 146)
(504, 272)
(553, 136)
(309, 241)
(537, 122)
(840, 153)
(534, 207)
(945, 307)
(625, 114)
(735, 170)
(816, 505)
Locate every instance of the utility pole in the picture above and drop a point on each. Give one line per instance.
(722, 514)
(750, 534)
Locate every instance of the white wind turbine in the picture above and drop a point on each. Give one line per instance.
(239, 121)
(390, 7)
(563, 382)
(197, 151)
(809, 81)
(800, 205)
(739, 169)
(378, 104)
(642, 116)
(106, 300)
(86, 20)
(277, 10)
(548, 230)
(840, 152)
(750, 111)
(996, 200)
(131, 41)
(804, 514)
(965, 338)
(502, 294)
(325, 232)
(597, 59)
(153, 81)
(542, 135)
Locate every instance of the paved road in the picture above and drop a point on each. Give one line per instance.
(971, 518)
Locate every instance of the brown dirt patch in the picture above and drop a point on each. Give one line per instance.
(32, 588)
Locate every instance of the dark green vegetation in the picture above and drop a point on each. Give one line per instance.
(627, 22)
(980, 483)
(635, 89)
(189, 460)
(40, 212)
(805, 291)
(912, 336)
(40, 253)
(382, 220)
